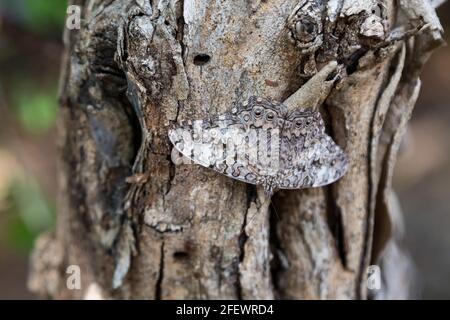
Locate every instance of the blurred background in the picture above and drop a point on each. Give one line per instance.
(30, 53)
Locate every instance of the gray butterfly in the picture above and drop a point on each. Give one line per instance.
(260, 142)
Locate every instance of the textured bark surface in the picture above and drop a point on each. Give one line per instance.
(140, 227)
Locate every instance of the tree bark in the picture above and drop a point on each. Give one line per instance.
(140, 227)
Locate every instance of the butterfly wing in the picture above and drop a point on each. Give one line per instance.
(319, 161)
(309, 157)
(232, 144)
(260, 143)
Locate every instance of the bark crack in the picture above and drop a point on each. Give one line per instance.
(158, 287)
(336, 226)
(334, 212)
(243, 237)
(242, 241)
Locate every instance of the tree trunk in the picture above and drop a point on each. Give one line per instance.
(139, 226)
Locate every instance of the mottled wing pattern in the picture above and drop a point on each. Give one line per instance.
(301, 128)
(206, 147)
(231, 144)
(310, 158)
(261, 113)
(203, 141)
(323, 162)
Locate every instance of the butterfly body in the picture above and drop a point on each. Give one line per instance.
(261, 142)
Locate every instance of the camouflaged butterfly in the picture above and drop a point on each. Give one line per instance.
(260, 142)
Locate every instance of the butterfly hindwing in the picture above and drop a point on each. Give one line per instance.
(322, 162)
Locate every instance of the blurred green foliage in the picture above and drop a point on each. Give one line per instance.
(39, 16)
(45, 15)
(32, 99)
(29, 214)
(36, 109)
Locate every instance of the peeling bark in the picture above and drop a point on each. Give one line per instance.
(140, 227)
